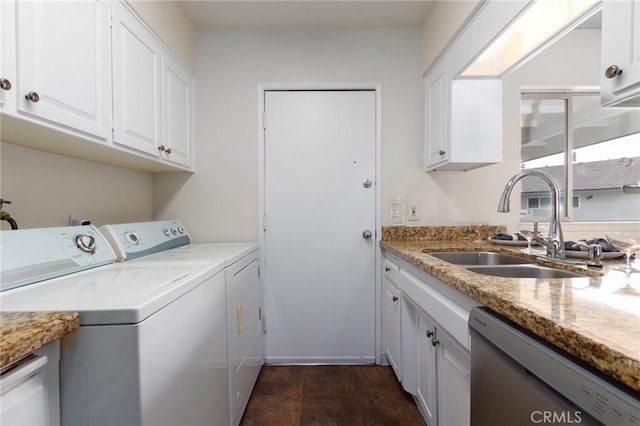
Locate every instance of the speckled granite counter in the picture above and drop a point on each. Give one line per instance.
(595, 318)
(23, 332)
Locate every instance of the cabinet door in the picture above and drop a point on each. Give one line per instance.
(621, 48)
(436, 112)
(454, 381)
(177, 120)
(136, 83)
(63, 63)
(7, 55)
(392, 326)
(427, 375)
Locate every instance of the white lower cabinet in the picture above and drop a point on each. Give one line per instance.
(29, 389)
(433, 343)
(391, 317)
(427, 373)
(443, 375)
(454, 381)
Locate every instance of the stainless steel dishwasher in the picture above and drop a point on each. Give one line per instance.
(517, 379)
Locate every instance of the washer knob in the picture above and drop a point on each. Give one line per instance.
(85, 242)
(132, 237)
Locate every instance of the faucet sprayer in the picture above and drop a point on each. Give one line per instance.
(555, 241)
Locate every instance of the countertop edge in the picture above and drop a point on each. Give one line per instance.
(24, 332)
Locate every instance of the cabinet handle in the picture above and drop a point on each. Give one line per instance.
(32, 97)
(395, 298)
(613, 71)
(429, 333)
(5, 84)
(168, 151)
(441, 152)
(434, 342)
(161, 148)
(387, 269)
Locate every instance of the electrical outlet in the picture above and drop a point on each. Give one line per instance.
(414, 212)
(77, 220)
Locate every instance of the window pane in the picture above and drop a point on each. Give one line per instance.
(605, 158)
(605, 166)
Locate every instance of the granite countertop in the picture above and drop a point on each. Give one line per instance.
(594, 318)
(24, 332)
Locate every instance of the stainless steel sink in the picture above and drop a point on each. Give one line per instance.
(501, 264)
(523, 271)
(479, 258)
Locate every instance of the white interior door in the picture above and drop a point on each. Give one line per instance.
(320, 147)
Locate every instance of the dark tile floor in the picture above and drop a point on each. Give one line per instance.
(330, 395)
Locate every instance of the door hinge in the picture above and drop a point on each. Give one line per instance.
(264, 121)
(264, 222)
(258, 271)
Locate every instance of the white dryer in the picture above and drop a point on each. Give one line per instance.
(244, 293)
(151, 347)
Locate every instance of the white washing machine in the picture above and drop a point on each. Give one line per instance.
(151, 348)
(244, 294)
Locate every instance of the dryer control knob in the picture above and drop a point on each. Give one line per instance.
(85, 242)
(132, 238)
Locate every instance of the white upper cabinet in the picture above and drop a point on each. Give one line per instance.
(136, 83)
(153, 93)
(436, 106)
(463, 116)
(177, 113)
(7, 55)
(620, 73)
(64, 64)
(463, 121)
(89, 79)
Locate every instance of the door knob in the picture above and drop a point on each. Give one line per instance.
(367, 183)
(366, 234)
(395, 298)
(5, 84)
(32, 96)
(613, 71)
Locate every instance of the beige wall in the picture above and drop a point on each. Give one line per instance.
(170, 22)
(220, 201)
(46, 188)
(441, 26)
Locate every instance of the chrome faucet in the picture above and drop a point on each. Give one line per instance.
(555, 241)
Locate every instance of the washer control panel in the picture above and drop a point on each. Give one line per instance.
(32, 255)
(133, 240)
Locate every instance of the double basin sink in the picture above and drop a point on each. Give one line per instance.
(501, 264)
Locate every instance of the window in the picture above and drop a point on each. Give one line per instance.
(592, 152)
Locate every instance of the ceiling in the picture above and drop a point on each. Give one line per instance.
(316, 14)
